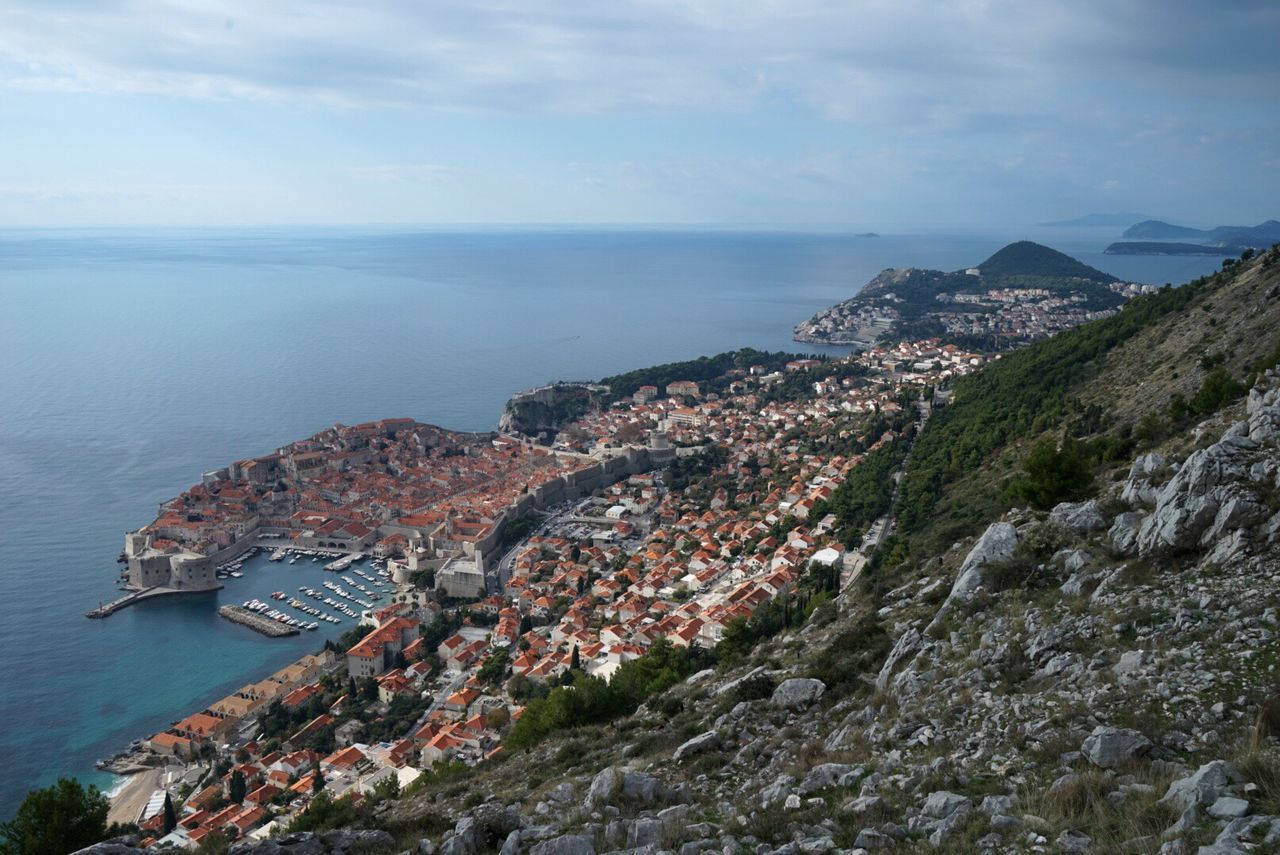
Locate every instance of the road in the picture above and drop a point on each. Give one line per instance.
(885, 525)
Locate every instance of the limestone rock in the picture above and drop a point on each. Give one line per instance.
(1202, 787)
(1073, 841)
(996, 544)
(797, 692)
(1124, 533)
(941, 804)
(1110, 747)
(708, 741)
(566, 844)
(906, 645)
(1081, 517)
(604, 786)
(1228, 807)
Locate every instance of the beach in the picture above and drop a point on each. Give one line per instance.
(132, 797)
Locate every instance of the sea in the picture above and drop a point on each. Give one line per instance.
(132, 361)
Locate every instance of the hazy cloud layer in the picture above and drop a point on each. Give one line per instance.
(1082, 99)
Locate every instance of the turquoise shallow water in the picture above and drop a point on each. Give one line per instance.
(133, 361)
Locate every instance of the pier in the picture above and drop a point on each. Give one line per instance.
(108, 609)
(256, 622)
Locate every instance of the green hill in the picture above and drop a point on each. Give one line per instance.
(1028, 260)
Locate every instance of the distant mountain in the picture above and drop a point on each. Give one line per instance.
(1095, 221)
(1229, 237)
(1261, 236)
(1160, 230)
(1160, 238)
(1026, 259)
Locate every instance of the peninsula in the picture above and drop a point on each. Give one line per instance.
(1021, 293)
(1156, 237)
(393, 488)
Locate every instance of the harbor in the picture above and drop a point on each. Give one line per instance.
(320, 602)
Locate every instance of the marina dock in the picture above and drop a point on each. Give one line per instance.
(256, 622)
(107, 609)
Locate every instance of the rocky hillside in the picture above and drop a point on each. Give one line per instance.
(1097, 676)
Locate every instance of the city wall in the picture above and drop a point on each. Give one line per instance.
(574, 485)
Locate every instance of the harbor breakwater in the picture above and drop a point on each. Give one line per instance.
(256, 622)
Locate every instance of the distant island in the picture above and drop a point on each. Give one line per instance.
(1023, 292)
(1156, 237)
(1168, 248)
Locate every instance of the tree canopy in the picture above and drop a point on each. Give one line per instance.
(55, 820)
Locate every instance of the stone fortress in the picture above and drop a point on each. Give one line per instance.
(174, 567)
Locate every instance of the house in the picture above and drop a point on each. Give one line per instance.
(344, 761)
(371, 656)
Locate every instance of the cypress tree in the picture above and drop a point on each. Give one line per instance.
(170, 815)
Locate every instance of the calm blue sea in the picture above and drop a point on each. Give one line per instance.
(132, 361)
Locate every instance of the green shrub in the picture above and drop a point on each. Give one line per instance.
(1054, 473)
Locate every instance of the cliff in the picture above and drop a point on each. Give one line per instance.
(547, 409)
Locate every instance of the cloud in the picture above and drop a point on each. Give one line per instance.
(912, 61)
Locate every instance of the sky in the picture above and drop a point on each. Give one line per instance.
(788, 113)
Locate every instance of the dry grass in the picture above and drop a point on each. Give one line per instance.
(1083, 804)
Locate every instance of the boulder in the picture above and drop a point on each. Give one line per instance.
(996, 545)
(941, 804)
(1131, 662)
(708, 741)
(797, 692)
(1138, 487)
(1203, 786)
(777, 791)
(828, 775)
(1111, 747)
(1080, 517)
(1073, 841)
(126, 845)
(566, 844)
(997, 805)
(869, 838)
(603, 789)
(1228, 807)
(906, 645)
(1124, 533)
